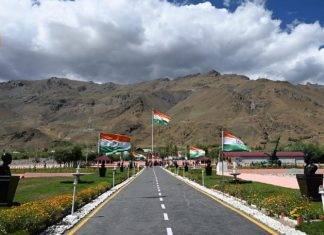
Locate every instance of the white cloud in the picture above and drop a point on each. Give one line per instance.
(131, 40)
(227, 3)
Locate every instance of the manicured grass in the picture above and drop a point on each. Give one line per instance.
(50, 170)
(314, 228)
(274, 199)
(45, 201)
(32, 189)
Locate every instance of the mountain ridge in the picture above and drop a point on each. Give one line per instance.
(38, 112)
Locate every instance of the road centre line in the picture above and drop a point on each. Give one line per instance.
(169, 231)
(166, 217)
(160, 194)
(163, 206)
(161, 199)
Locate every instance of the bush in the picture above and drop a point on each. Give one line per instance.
(33, 217)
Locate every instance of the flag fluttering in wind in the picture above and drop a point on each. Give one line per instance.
(231, 143)
(160, 118)
(113, 143)
(196, 152)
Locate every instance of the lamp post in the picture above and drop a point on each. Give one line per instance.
(321, 191)
(76, 176)
(114, 171)
(202, 177)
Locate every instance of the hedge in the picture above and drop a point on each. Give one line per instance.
(34, 217)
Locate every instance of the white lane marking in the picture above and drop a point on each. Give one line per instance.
(160, 194)
(165, 215)
(161, 199)
(169, 231)
(158, 189)
(163, 206)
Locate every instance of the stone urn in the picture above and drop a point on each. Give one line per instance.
(309, 182)
(8, 183)
(208, 168)
(102, 170)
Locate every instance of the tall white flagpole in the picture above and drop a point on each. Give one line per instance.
(152, 133)
(98, 143)
(222, 152)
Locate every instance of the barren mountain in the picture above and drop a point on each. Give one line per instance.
(36, 113)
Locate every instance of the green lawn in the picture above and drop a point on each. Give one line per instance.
(273, 198)
(50, 170)
(314, 228)
(32, 189)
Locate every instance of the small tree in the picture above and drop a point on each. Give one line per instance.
(76, 155)
(62, 156)
(92, 156)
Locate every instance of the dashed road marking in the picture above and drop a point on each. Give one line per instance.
(166, 217)
(160, 194)
(163, 206)
(169, 231)
(161, 199)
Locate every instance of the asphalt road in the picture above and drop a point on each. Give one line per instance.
(158, 203)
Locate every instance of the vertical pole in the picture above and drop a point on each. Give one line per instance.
(222, 153)
(114, 177)
(152, 134)
(74, 189)
(134, 169)
(127, 172)
(76, 176)
(202, 177)
(98, 144)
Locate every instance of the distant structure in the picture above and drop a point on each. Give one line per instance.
(248, 158)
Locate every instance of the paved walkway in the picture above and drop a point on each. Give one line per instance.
(43, 175)
(283, 181)
(158, 203)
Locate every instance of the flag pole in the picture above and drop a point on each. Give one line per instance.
(152, 134)
(98, 143)
(222, 152)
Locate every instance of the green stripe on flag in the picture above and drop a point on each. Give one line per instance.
(235, 148)
(111, 150)
(160, 122)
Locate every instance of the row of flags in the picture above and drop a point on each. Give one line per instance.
(114, 143)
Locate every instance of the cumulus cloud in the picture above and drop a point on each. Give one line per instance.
(127, 41)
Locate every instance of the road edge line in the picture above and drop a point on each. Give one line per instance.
(86, 218)
(251, 218)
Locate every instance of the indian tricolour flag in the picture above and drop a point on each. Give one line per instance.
(231, 143)
(160, 118)
(113, 143)
(196, 152)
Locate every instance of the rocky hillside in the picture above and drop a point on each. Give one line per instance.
(36, 113)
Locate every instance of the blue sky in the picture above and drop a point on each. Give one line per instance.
(307, 11)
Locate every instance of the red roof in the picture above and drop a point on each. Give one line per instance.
(263, 155)
(104, 158)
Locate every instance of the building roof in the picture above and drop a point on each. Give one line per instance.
(263, 155)
(104, 158)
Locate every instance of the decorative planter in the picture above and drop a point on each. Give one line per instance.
(208, 170)
(186, 168)
(309, 185)
(8, 186)
(300, 220)
(102, 172)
